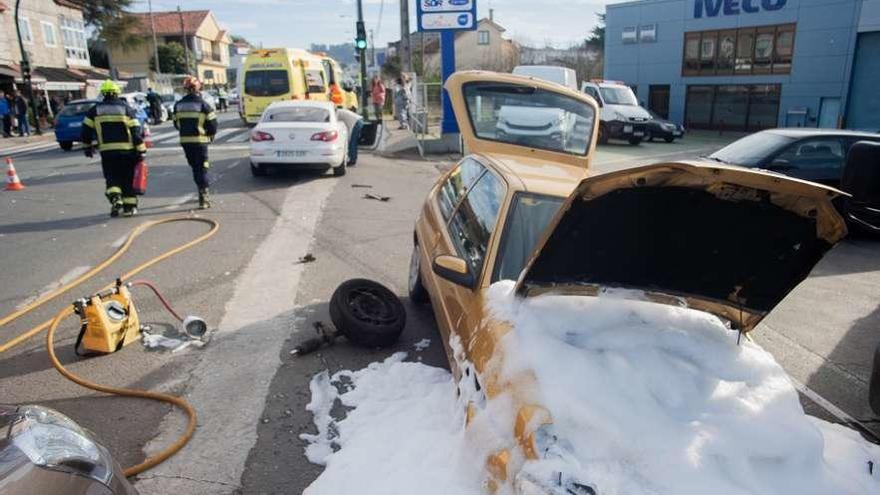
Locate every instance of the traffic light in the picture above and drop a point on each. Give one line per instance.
(361, 41)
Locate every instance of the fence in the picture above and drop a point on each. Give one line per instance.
(427, 112)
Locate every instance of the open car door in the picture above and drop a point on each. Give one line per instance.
(726, 240)
(523, 116)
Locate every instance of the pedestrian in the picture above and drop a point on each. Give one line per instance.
(197, 122)
(5, 115)
(402, 102)
(114, 127)
(155, 102)
(377, 94)
(21, 113)
(355, 123)
(221, 98)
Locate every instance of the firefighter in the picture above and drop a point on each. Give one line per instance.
(197, 123)
(114, 126)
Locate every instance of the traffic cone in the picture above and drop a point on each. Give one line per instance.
(13, 183)
(148, 137)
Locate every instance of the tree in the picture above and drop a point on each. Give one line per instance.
(596, 40)
(236, 38)
(171, 59)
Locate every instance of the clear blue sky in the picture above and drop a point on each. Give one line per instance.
(298, 23)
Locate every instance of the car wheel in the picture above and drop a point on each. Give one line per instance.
(635, 141)
(257, 170)
(367, 313)
(66, 145)
(603, 136)
(669, 139)
(417, 292)
(339, 170)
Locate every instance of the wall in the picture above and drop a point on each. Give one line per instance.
(39, 54)
(823, 50)
(135, 61)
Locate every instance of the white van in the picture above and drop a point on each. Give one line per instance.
(620, 116)
(560, 75)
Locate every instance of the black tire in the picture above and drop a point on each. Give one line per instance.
(66, 145)
(635, 141)
(257, 170)
(367, 313)
(603, 136)
(339, 170)
(669, 139)
(417, 292)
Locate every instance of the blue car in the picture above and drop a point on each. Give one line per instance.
(68, 122)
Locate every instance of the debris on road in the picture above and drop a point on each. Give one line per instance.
(366, 186)
(376, 197)
(326, 337)
(308, 258)
(157, 340)
(422, 345)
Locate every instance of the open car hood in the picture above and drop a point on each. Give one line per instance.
(726, 240)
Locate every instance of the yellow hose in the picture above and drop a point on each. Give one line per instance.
(52, 325)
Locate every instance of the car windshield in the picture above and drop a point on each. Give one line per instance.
(528, 218)
(266, 82)
(620, 95)
(72, 109)
(301, 114)
(529, 116)
(751, 150)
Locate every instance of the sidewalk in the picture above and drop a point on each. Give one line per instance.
(18, 144)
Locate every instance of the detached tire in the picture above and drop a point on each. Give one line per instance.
(367, 313)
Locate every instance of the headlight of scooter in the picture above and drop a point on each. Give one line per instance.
(53, 441)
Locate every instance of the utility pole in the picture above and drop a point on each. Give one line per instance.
(155, 43)
(372, 50)
(185, 43)
(26, 71)
(405, 50)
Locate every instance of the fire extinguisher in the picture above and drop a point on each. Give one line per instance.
(139, 184)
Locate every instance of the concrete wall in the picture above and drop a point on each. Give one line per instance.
(821, 67)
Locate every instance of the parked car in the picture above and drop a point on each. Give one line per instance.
(620, 116)
(560, 75)
(660, 128)
(138, 101)
(44, 452)
(68, 122)
(513, 211)
(299, 134)
(234, 97)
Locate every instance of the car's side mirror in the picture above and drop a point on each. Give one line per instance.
(861, 175)
(454, 269)
(874, 386)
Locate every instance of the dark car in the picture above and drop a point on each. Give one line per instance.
(661, 128)
(68, 124)
(44, 452)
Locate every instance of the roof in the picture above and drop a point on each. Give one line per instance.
(168, 23)
(58, 75)
(802, 132)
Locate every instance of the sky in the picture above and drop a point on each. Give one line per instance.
(299, 23)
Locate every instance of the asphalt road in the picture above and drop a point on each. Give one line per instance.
(248, 283)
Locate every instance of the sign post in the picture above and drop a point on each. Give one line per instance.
(447, 17)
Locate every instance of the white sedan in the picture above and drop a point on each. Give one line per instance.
(300, 134)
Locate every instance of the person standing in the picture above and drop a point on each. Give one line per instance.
(221, 98)
(21, 113)
(114, 126)
(197, 122)
(5, 115)
(355, 123)
(377, 95)
(402, 102)
(155, 102)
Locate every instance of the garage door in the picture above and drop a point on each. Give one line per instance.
(863, 108)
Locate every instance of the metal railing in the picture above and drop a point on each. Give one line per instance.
(426, 112)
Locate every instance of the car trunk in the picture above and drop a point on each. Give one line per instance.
(725, 240)
(296, 133)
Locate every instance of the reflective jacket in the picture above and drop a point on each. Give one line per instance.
(195, 119)
(115, 127)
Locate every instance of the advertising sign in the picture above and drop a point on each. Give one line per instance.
(446, 15)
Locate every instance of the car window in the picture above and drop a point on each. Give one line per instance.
(460, 180)
(266, 82)
(592, 92)
(752, 150)
(474, 220)
(315, 81)
(301, 114)
(528, 219)
(619, 96)
(72, 109)
(810, 154)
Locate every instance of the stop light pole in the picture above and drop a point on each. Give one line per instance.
(26, 73)
(360, 43)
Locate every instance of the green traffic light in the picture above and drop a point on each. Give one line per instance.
(360, 44)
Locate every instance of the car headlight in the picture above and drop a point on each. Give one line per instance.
(668, 127)
(53, 441)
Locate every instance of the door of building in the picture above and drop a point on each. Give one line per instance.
(863, 107)
(829, 113)
(658, 99)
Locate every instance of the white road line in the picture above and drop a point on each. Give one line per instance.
(26, 148)
(67, 277)
(119, 242)
(240, 138)
(824, 403)
(181, 200)
(224, 132)
(233, 165)
(165, 136)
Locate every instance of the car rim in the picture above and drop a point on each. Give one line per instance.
(414, 266)
(371, 306)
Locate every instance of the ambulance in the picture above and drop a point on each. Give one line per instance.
(277, 74)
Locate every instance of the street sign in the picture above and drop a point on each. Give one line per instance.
(446, 15)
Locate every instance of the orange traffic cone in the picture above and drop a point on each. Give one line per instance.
(13, 183)
(148, 137)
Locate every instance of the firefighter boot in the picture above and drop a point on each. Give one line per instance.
(115, 204)
(204, 199)
(129, 207)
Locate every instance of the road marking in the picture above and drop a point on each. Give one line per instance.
(27, 148)
(66, 278)
(164, 136)
(119, 242)
(233, 165)
(224, 132)
(181, 200)
(243, 137)
(833, 410)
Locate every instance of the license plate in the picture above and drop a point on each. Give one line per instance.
(638, 133)
(290, 154)
(627, 129)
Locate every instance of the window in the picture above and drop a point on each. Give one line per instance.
(648, 33)
(300, 114)
(315, 81)
(529, 216)
(48, 33)
(266, 83)
(629, 35)
(732, 107)
(209, 75)
(73, 37)
(813, 154)
(483, 37)
(474, 220)
(24, 24)
(457, 185)
(748, 50)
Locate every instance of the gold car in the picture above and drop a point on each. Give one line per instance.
(522, 206)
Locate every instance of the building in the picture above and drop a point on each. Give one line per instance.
(485, 48)
(198, 30)
(54, 36)
(238, 52)
(750, 64)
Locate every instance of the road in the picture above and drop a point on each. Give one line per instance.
(248, 283)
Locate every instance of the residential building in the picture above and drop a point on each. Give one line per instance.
(238, 52)
(485, 48)
(54, 37)
(750, 64)
(198, 30)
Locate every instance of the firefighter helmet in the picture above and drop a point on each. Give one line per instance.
(192, 83)
(110, 87)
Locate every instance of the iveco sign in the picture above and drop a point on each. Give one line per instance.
(714, 8)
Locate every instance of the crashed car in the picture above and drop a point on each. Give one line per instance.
(720, 239)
